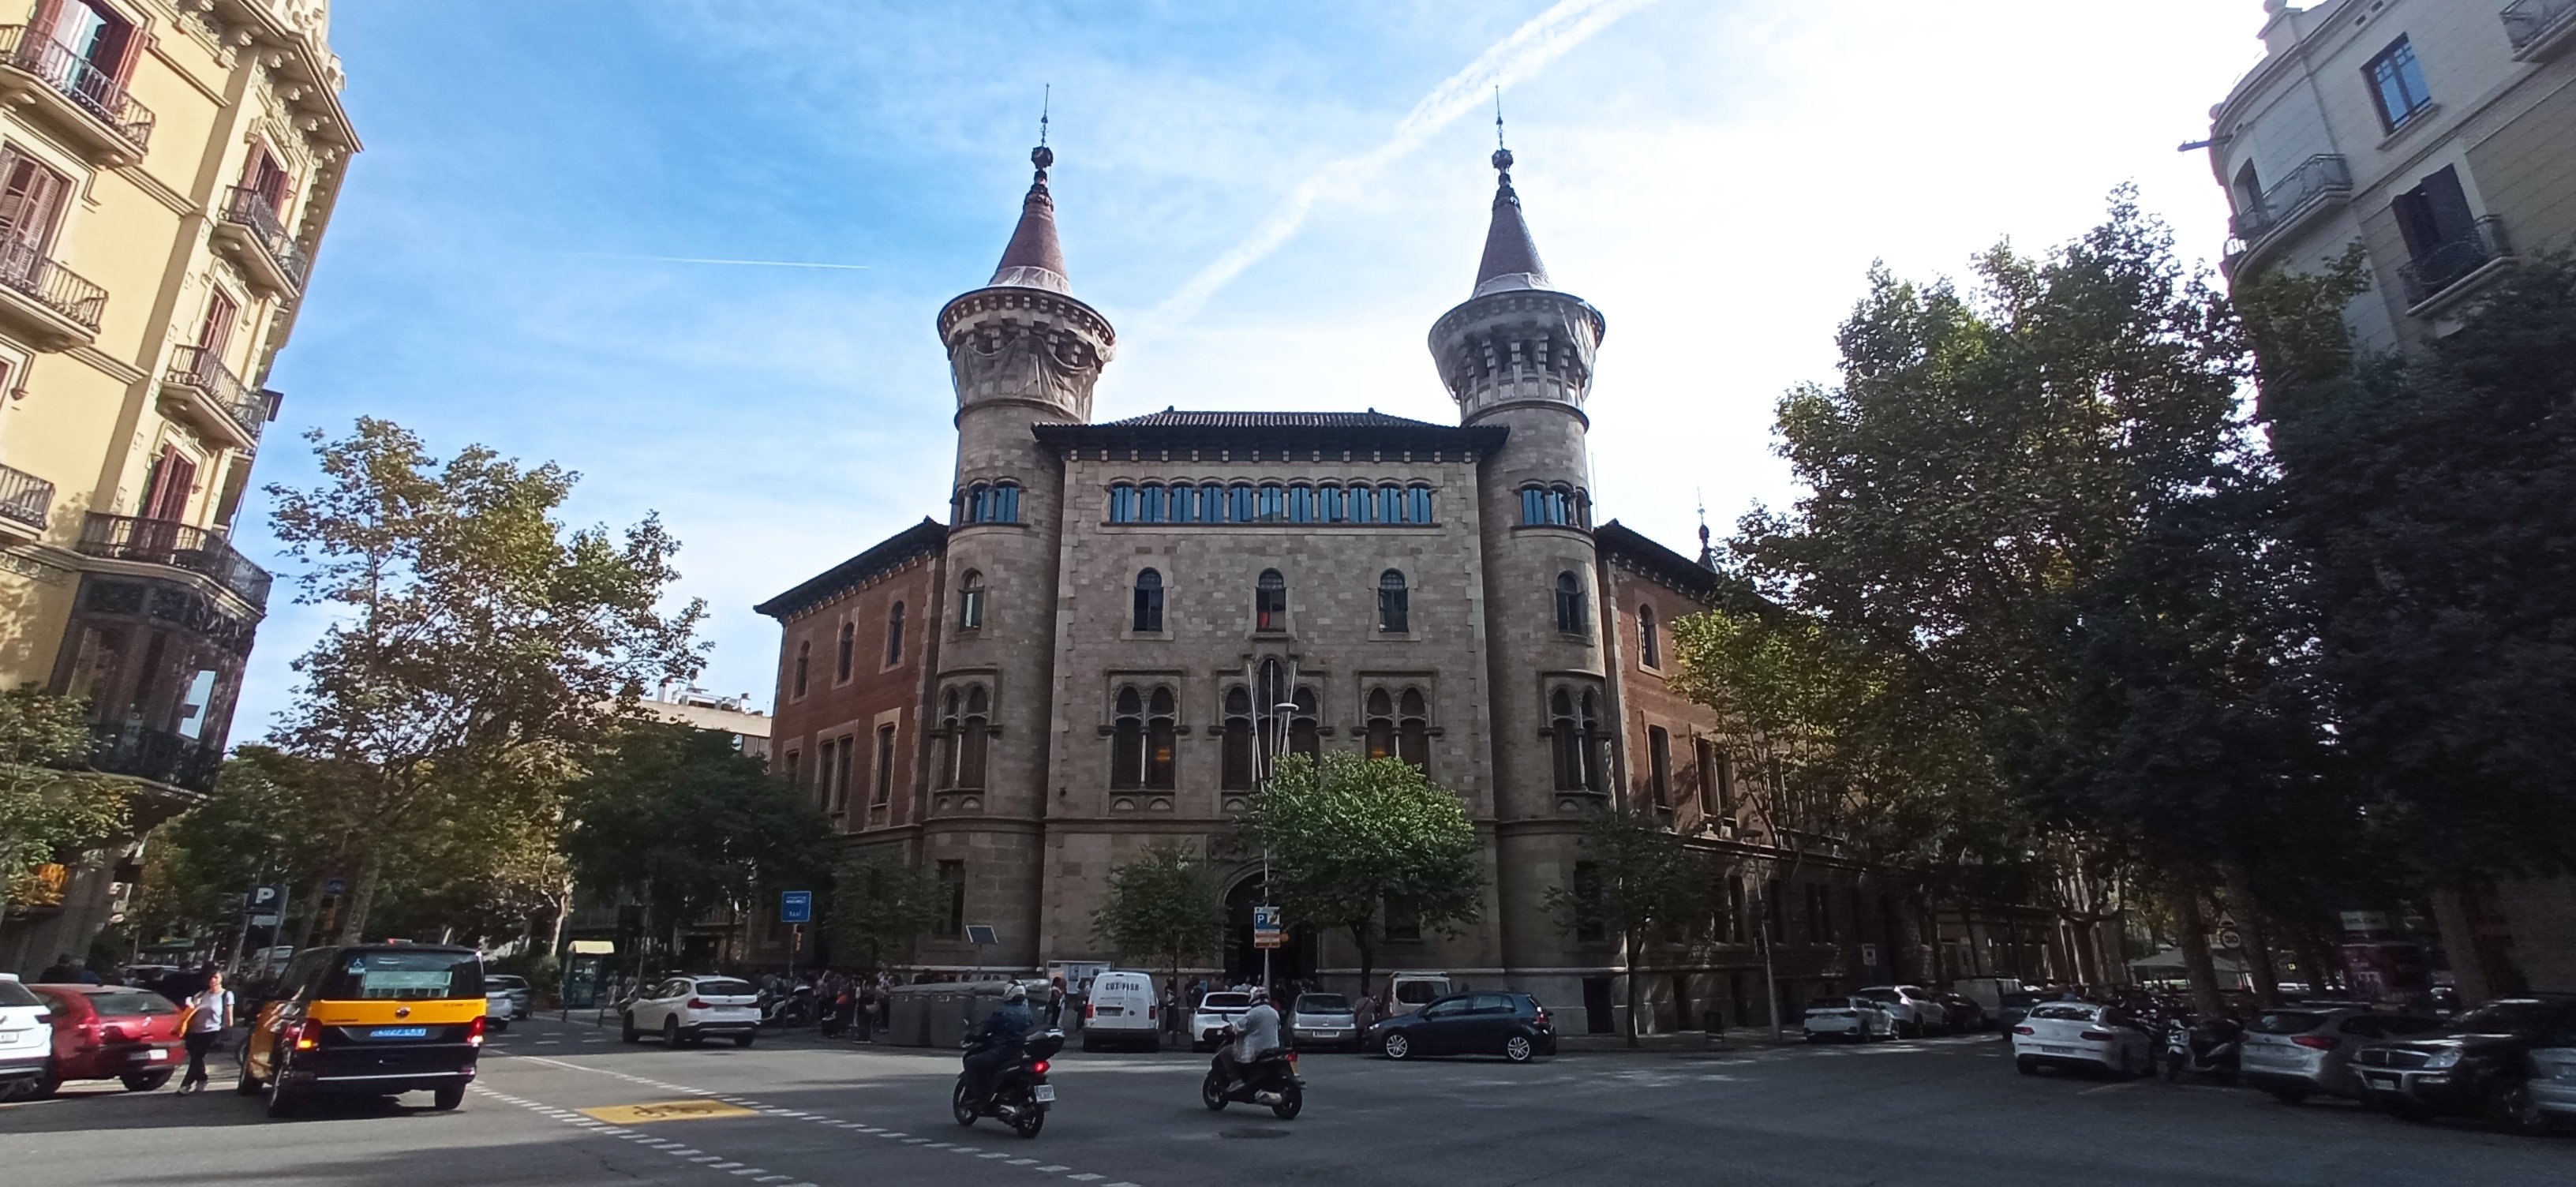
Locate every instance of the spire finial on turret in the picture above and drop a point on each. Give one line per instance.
(1707, 551)
(1511, 259)
(1034, 259)
(1502, 155)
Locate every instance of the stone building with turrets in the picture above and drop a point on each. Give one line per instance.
(1121, 622)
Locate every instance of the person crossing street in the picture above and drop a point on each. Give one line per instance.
(210, 1014)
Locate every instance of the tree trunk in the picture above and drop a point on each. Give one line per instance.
(2257, 936)
(1937, 960)
(2196, 964)
(1770, 977)
(362, 895)
(1636, 945)
(1368, 966)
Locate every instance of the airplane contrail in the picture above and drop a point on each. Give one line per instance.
(596, 255)
(1530, 48)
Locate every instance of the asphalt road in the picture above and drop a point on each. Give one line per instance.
(798, 1113)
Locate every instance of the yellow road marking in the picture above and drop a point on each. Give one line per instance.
(668, 1110)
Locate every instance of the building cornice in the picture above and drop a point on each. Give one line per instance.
(900, 551)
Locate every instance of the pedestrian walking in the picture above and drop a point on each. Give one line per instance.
(209, 1015)
(1171, 1009)
(1055, 1003)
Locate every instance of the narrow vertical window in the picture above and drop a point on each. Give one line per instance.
(952, 743)
(952, 885)
(882, 792)
(1328, 503)
(1533, 505)
(1237, 767)
(1162, 730)
(823, 776)
(894, 635)
(1381, 724)
(979, 503)
(1148, 615)
(1659, 765)
(1650, 641)
(1303, 736)
(1185, 498)
(970, 601)
(1273, 503)
(1596, 746)
(1566, 741)
(1122, 503)
(1127, 742)
(1212, 504)
(1390, 504)
(1239, 504)
(1417, 504)
(1149, 503)
(804, 656)
(849, 646)
(1413, 729)
(794, 768)
(1569, 604)
(1394, 608)
(1006, 503)
(1270, 602)
(978, 724)
(841, 774)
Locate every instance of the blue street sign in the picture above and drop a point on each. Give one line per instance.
(796, 906)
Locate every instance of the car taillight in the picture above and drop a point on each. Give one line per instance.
(1149, 1011)
(304, 1035)
(1540, 1018)
(1039, 1067)
(697, 1003)
(2317, 1042)
(474, 1033)
(2097, 1036)
(1090, 1010)
(2024, 1030)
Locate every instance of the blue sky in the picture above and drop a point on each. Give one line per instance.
(1271, 201)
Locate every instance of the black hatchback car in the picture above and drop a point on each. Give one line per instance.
(1512, 1025)
(2480, 1063)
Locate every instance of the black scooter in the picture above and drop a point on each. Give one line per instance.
(1021, 1095)
(2211, 1047)
(1269, 1080)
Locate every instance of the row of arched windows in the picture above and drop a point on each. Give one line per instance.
(1581, 747)
(1269, 602)
(1145, 728)
(996, 502)
(848, 650)
(1559, 505)
(965, 724)
(1269, 502)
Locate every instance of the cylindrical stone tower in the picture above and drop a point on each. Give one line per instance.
(1519, 354)
(1022, 351)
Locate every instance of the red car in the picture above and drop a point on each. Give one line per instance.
(111, 1032)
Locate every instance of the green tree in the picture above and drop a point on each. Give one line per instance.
(262, 824)
(1161, 907)
(48, 808)
(1347, 835)
(880, 905)
(1637, 876)
(471, 631)
(682, 820)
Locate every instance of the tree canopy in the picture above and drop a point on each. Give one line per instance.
(1162, 907)
(48, 807)
(1347, 836)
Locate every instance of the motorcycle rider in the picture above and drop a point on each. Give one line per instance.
(997, 1040)
(1256, 1032)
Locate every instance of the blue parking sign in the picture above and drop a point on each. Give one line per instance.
(796, 906)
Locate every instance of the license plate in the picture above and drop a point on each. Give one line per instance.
(2381, 1081)
(1110, 1011)
(2056, 1050)
(399, 1032)
(1045, 1093)
(159, 1053)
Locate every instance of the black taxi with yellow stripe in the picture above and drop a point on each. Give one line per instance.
(368, 1020)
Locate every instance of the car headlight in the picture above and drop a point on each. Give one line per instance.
(2443, 1059)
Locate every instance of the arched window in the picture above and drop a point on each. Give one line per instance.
(1239, 506)
(979, 503)
(1413, 729)
(1185, 499)
(1596, 756)
(1569, 604)
(1582, 510)
(849, 643)
(1161, 739)
(1270, 602)
(970, 601)
(804, 654)
(1394, 611)
(951, 744)
(1558, 500)
(1303, 736)
(1122, 503)
(1301, 504)
(1390, 504)
(894, 635)
(1380, 734)
(1237, 773)
(1148, 616)
(1274, 502)
(1211, 503)
(1360, 504)
(978, 723)
(1417, 504)
(1149, 503)
(1533, 504)
(1127, 742)
(1565, 741)
(1328, 503)
(1006, 502)
(1650, 641)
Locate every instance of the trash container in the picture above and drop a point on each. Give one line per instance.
(1713, 1020)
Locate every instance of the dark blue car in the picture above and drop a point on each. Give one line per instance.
(1512, 1025)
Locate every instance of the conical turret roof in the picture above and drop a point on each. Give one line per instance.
(1034, 259)
(1511, 258)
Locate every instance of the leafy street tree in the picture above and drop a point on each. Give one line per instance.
(1636, 876)
(1161, 907)
(881, 905)
(474, 638)
(263, 824)
(48, 810)
(679, 818)
(1347, 836)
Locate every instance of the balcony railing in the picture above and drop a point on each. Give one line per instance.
(2448, 263)
(2312, 182)
(155, 755)
(198, 367)
(178, 545)
(58, 288)
(2529, 23)
(94, 90)
(25, 498)
(251, 210)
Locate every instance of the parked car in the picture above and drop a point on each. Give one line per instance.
(1961, 1014)
(523, 997)
(1122, 1009)
(694, 1009)
(2012, 1009)
(111, 1032)
(1512, 1025)
(26, 1037)
(1914, 1008)
(2081, 1036)
(1209, 1019)
(1990, 994)
(2480, 1063)
(1318, 1020)
(1856, 1018)
(1407, 992)
(2295, 1053)
(2553, 1071)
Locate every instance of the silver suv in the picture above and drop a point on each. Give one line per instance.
(2299, 1051)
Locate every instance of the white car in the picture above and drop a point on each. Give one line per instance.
(1856, 1018)
(1214, 1013)
(2081, 1036)
(1914, 1009)
(693, 1010)
(499, 1010)
(26, 1037)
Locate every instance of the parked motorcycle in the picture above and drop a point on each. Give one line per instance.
(1270, 1080)
(2211, 1047)
(791, 1007)
(1021, 1095)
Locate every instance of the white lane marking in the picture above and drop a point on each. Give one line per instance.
(1086, 1178)
(1049, 1170)
(1021, 1162)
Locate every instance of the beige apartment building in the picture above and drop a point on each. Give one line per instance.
(167, 168)
(2440, 136)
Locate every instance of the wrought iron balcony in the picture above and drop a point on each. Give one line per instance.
(157, 755)
(2323, 176)
(178, 545)
(218, 399)
(2441, 269)
(114, 121)
(26, 501)
(58, 300)
(2539, 28)
(259, 238)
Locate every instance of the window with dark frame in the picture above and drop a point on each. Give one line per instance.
(970, 601)
(1413, 729)
(849, 644)
(1148, 616)
(1162, 739)
(894, 635)
(952, 882)
(976, 727)
(1650, 638)
(1236, 772)
(841, 774)
(1659, 763)
(1380, 735)
(951, 726)
(882, 793)
(1303, 735)
(1127, 742)
(1569, 605)
(1565, 741)
(1394, 609)
(804, 656)
(1270, 602)
(2397, 84)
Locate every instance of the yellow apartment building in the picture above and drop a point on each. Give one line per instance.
(167, 168)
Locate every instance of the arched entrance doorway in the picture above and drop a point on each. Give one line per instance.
(1292, 961)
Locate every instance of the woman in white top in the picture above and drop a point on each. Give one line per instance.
(210, 1013)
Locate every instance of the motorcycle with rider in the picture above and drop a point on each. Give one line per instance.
(1005, 1067)
(1255, 1068)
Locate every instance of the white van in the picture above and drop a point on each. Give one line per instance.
(1124, 1010)
(1407, 992)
